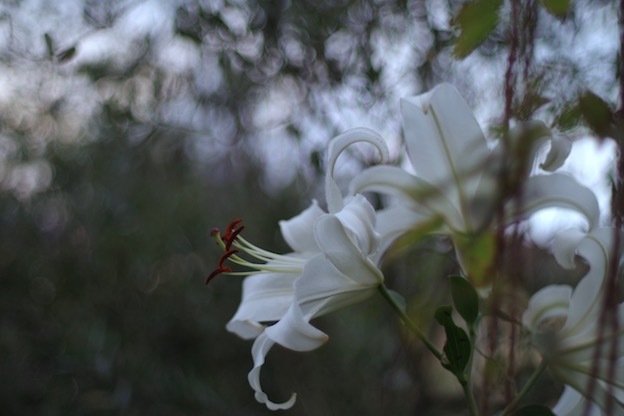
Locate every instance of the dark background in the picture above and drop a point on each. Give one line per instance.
(115, 164)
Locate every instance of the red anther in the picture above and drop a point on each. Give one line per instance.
(235, 233)
(231, 232)
(217, 272)
(231, 228)
(221, 268)
(225, 256)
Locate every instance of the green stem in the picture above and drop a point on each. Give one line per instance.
(408, 322)
(466, 384)
(525, 389)
(472, 403)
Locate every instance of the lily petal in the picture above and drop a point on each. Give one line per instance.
(411, 190)
(601, 393)
(549, 302)
(444, 141)
(259, 351)
(564, 247)
(323, 288)
(341, 251)
(396, 221)
(572, 403)
(358, 218)
(336, 147)
(588, 295)
(266, 297)
(293, 331)
(298, 231)
(558, 190)
(560, 148)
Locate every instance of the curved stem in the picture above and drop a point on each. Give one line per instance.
(525, 389)
(408, 322)
(464, 381)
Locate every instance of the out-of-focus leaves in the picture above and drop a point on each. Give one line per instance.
(49, 44)
(475, 20)
(188, 23)
(477, 254)
(66, 55)
(568, 118)
(530, 103)
(558, 8)
(597, 114)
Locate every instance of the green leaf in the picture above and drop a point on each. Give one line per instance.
(534, 410)
(558, 8)
(475, 20)
(465, 298)
(457, 348)
(597, 113)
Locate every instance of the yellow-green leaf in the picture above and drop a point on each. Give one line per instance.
(558, 8)
(477, 254)
(475, 20)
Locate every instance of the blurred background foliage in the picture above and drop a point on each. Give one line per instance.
(129, 129)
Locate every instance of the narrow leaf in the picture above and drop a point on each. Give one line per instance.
(465, 298)
(67, 54)
(475, 20)
(49, 44)
(457, 348)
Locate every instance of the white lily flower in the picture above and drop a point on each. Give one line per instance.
(565, 326)
(457, 174)
(330, 268)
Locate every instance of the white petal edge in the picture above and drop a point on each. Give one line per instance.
(445, 142)
(336, 146)
(560, 148)
(558, 190)
(259, 351)
(420, 195)
(266, 297)
(358, 217)
(294, 332)
(548, 302)
(572, 403)
(343, 253)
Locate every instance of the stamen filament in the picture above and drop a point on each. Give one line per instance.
(232, 243)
